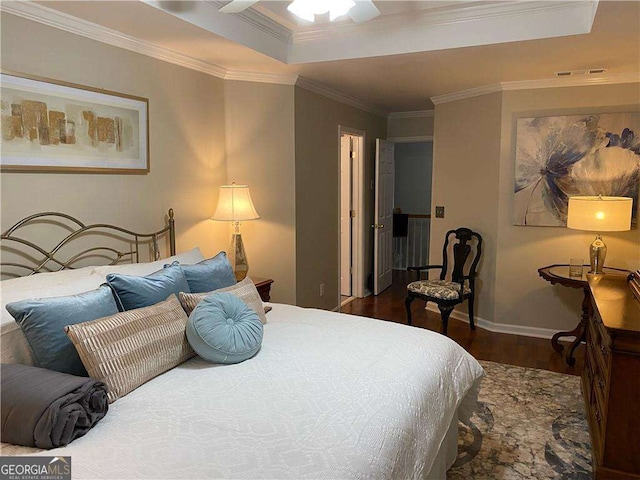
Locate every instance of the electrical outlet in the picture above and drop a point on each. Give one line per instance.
(439, 212)
(322, 289)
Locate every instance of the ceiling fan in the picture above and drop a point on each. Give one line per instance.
(359, 11)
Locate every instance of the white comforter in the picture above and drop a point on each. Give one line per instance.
(328, 396)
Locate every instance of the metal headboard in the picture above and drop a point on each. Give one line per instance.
(43, 260)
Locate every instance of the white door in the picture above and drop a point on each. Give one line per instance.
(383, 216)
(345, 215)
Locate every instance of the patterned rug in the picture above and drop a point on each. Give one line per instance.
(530, 424)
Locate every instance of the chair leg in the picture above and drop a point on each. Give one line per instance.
(471, 319)
(407, 304)
(445, 311)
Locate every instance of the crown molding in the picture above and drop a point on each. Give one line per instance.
(470, 93)
(583, 81)
(274, 78)
(260, 21)
(432, 18)
(62, 21)
(320, 89)
(414, 114)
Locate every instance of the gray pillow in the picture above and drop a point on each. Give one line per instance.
(43, 320)
(137, 292)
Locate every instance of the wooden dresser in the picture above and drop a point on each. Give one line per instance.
(611, 378)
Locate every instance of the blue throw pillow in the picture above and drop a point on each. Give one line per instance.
(223, 329)
(210, 274)
(43, 320)
(137, 292)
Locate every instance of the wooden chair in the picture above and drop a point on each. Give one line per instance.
(460, 287)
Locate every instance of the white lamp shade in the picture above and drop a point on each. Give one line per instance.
(600, 214)
(234, 204)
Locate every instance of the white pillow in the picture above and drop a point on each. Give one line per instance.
(142, 269)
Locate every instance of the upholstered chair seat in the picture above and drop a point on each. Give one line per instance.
(438, 289)
(463, 246)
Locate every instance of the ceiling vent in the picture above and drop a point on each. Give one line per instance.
(574, 73)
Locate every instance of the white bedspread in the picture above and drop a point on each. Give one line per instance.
(329, 396)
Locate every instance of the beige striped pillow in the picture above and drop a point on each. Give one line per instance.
(130, 348)
(244, 290)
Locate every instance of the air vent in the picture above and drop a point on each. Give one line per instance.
(574, 73)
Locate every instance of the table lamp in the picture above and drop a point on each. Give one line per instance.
(599, 214)
(235, 205)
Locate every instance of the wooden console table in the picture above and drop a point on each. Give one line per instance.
(611, 378)
(560, 274)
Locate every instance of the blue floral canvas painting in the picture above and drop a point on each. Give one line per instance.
(562, 156)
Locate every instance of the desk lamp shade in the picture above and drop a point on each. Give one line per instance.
(599, 214)
(235, 205)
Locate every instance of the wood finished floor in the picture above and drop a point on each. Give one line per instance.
(482, 344)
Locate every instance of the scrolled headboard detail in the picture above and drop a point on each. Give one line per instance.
(28, 257)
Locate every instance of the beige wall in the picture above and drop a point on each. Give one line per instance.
(522, 297)
(410, 127)
(260, 153)
(318, 192)
(474, 180)
(466, 182)
(187, 138)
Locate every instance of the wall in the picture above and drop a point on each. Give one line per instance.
(413, 163)
(411, 126)
(466, 174)
(474, 180)
(260, 153)
(186, 129)
(522, 298)
(317, 153)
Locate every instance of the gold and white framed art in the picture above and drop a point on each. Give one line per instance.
(53, 126)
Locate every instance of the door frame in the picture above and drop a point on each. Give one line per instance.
(358, 281)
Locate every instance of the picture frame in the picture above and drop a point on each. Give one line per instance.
(54, 126)
(560, 156)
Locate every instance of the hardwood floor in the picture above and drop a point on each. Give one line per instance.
(482, 344)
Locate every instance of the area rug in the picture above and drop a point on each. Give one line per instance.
(530, 424)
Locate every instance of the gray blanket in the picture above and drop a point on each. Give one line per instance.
(46, 409)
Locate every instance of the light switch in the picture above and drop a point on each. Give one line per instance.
(439, 212)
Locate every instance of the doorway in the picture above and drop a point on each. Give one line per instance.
(351, 215)
(412, 199)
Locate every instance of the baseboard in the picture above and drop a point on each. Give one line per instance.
(499, 327)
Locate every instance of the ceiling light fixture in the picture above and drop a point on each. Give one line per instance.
(308, 9)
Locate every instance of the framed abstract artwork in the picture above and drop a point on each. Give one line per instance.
(562, 156)
(51, 126)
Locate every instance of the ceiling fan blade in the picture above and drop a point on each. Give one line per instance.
(363, 11)
(237, 6)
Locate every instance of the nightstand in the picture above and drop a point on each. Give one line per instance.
(263, 285)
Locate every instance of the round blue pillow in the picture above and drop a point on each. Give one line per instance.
(223, 329)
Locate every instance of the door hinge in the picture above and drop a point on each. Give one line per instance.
(352, 213)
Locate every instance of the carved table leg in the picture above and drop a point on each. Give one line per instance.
(573, 333)
(582, 326)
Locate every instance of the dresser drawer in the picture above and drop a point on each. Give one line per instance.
(600, 345)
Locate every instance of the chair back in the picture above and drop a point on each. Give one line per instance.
(464, 241)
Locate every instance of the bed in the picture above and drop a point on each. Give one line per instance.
(328, 395)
